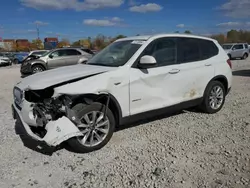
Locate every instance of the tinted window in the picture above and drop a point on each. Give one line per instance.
(38, 53)
(72, 52)
(59, 53)
(207, 49)
(238, 47)
(87, 51)
(246, 46)
(164, 50)
(188, 50)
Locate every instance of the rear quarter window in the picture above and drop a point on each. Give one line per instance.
(207, 49)
(193, 49)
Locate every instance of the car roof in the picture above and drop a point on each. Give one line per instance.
(147, 37)
(234, 43)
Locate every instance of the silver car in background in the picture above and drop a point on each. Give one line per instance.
(54, 59)
(236, 50)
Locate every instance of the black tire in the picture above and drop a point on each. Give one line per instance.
(81, 110)
(16, 61)
(205, 106)
(245, 56)
(37, 67)
(84, 62)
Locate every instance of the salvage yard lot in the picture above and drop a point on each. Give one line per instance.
(188, 149)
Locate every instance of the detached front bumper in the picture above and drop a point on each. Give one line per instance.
(26, 69)
(57, 131)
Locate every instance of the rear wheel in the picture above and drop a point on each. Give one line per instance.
(214, 97)
(37, 69)
(97, 130)
(245, 56)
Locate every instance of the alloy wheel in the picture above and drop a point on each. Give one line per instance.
(94, 127)
(37, 70)
(216, 97)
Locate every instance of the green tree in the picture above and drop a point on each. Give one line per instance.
(233, 36)
(76, 44)
(36, 44)
(219, 37)
(187, 32)
(63, 42)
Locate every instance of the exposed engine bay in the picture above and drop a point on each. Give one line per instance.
(55, 120)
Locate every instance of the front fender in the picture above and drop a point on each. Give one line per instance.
(82, 59)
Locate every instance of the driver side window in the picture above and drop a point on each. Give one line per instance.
(55, 54)
(164, 50)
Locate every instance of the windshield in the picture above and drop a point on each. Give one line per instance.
(116, 54)
(45, 54)
(227, 46)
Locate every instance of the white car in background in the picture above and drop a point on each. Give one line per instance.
(5, 61)
(132, 77)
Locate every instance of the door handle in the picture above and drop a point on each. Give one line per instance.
(174, 71)
(208, 64)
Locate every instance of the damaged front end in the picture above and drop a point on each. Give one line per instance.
(54, 120)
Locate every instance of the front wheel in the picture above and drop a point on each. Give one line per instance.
(214, 97)
(37, 69)
(97, 130)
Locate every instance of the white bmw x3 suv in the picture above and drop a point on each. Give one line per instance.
(83, 104)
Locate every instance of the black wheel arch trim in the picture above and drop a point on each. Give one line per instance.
(92, 97)
(217, 78)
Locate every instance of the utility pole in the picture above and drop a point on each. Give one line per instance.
(38, 32)
(38, 37)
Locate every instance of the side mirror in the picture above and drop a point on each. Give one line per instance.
(147, 62)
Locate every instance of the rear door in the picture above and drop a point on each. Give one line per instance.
(72, 56)
(197, 66)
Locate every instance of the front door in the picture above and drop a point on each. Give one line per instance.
(156, 87)
(237, 50)
(56, 59)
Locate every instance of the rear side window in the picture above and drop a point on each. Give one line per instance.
(191, 50)
(87, 51)
(246, 46)
(72, 52)
(188, 50)
(238, 47)
(207, 49)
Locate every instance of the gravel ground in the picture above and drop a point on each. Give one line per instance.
(188, 149)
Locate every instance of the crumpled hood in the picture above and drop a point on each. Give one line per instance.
(60, 75)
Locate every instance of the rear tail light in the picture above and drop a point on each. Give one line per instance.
(229, 63)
